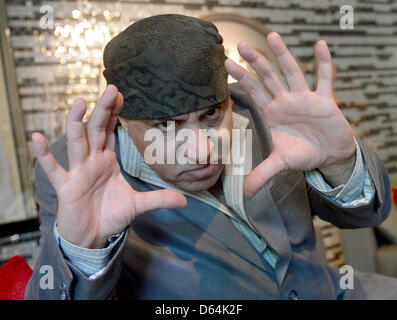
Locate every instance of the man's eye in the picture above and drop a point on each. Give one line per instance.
(213, 113)
(166, 125)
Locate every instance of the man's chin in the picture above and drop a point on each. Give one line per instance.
(201, 185)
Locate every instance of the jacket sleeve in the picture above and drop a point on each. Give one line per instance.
(54, 277)
(366, 215)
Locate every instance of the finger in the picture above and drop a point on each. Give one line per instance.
(258, 177)
(293, 74)
(75, 133)
(55, 173)
(110, 137)
(159, 199)
(254, 88)
(263, 68)
(324, 75)
(97, 125)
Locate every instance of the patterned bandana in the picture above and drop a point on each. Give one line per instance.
(167, 65)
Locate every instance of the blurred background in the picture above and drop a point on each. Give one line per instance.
(51, 53)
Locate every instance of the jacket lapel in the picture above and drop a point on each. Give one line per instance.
(220, 227)
(267, 221)
(261, 209)
(212, 221)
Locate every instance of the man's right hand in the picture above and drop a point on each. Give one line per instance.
(94, 200)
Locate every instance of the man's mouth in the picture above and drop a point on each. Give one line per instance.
(203, 172)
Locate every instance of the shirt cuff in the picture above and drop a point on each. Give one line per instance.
(357, 191)
(91, 262)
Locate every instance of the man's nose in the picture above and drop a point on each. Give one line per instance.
(200, 149)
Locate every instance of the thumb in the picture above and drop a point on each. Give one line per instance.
(258, 177)
(159, 199)
(55, 173)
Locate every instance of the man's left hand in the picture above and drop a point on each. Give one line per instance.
(308, 130)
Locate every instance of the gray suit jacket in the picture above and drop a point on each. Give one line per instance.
(197, 252)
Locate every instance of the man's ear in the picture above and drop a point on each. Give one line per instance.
(123, 124)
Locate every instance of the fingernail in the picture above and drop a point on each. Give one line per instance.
(273, 34)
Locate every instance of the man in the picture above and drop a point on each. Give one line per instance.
(208, 233)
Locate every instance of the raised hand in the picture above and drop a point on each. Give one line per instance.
(94, 200)
(307, 128)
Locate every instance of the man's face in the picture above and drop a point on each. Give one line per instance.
(199, 174)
